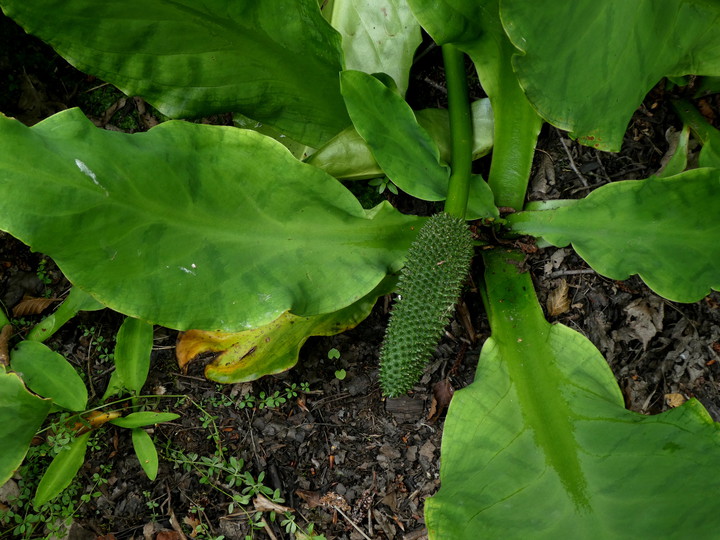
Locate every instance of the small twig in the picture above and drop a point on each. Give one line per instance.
(437, 86)
(559, 273)
(572, 161)
(268, 530)
(351, 522)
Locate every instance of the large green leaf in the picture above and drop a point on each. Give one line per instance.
(665, 230)
(274, 61)
(587, 65)
(474, 26)
(541, 446)
(21, 414)
(274, 347)
(49, 374)
(132, 353)
(402, 147)
(62, 470)
(378, 36)
(193, 226)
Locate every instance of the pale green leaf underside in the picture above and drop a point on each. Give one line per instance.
(21, 414)
(593, 69)
(378, 36)
(638, 477)
(274, 61)
(193, 226)
(666, 230)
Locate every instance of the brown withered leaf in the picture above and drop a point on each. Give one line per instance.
(31, 305)
(311, 498)
(167, 534)
(557, 301)
(263, 504)
(193, 343)
(675, 400)
(442, 394)
(5, 334)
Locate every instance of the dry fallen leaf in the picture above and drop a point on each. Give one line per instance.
(263, 504)
(5, 334)
(674, 400)
(558, 301)
(645, 318)
(442, 394)
(31, 305)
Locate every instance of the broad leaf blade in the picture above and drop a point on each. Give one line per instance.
(554, 452)
(61, 471)
(404, 150)
(204, 227)
(665, 230)
(132, 353)
(21, 414)
(48, 374)
(274, 347)
(379, 36)
(586, 89)
(142, 419)
(274, 61)
(146, 452)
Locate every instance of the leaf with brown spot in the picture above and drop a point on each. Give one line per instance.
(31, 305)
(5, 334)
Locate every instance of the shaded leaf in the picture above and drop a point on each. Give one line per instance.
(591, 95)
(132, 353)
(554, 452)
(379, 36)
(271, 348)
(203, 222)
(474, 27)
(61, 471)
(663, 229)
(402, 147)
(48, 374)
(77, 300)
(348, 157)
(145, 451)
(274, 61)
(21, 414)
(143, 419)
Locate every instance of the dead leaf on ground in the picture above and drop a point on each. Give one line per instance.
(5, 334)
(675, 400)
(645, 318)
(442, 394)
(558, 301)
(32, 306)
(263, 504)
(311, 498)
(167, 534)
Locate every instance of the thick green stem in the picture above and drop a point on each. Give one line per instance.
(461, 134)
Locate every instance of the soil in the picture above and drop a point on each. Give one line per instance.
(340, 444)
